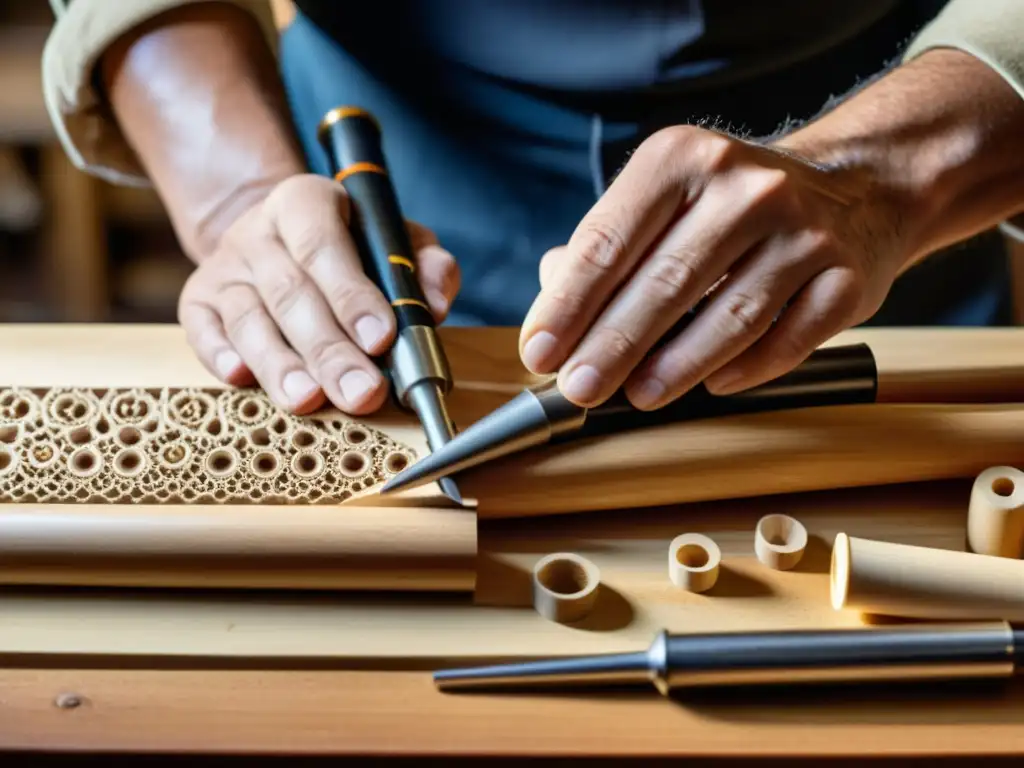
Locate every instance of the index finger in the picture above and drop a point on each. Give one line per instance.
(606, 246)
(310, 215)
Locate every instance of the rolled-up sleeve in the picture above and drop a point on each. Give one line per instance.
(83, 122)
(991, 31)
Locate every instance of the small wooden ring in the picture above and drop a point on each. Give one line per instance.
(780, 541)
(693, 561)
(565, 587)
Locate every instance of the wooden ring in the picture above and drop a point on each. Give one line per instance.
(780, 541)
(693, 561)
(565, 587)
(995, 513)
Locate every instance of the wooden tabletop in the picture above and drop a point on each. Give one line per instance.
(223, 707)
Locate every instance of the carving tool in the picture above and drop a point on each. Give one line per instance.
(420, 375)
(839, 375)
(903, 653)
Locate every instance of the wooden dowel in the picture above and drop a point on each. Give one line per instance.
(879, 577)
(246, 546)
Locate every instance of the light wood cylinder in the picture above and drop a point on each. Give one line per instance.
(780, 541)
(239, 547)
(565, 587)
(995, 516)
(908, 581)
(693, 562)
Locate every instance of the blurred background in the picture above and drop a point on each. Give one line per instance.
(76, 249)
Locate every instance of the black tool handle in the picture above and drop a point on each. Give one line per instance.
(839, 375)
(351, 138)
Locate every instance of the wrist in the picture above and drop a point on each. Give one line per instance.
(935, 141)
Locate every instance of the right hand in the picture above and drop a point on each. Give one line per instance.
(284, 302)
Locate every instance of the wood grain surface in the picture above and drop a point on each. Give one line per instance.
(327, 706)
(734, 457)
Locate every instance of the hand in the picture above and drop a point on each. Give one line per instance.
(774, 235)
(284, 301)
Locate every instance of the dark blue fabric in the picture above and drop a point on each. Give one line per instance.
(502, 168)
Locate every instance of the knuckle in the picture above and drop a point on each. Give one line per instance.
(351, 297)
(744, 313)
(326, 352)
(673, 273)
(672, 140)
(305, 243)
(285, 292)
(238, 315)
(616, 343)
(599, 244)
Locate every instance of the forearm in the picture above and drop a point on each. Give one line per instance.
(940, 136)
(197, 95)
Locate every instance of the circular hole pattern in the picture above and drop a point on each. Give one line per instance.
(265, 464)
(130, 408)
(307, 464)
(41, 454)
(191, 408)
(303, 438)
(260, 437)
(129, 436)
(396, 462)
(354, 463)
(175, 454)
(14, 406)
(692, 556)
(221, 462)
(563, 577)
(129, 462)
(356, 435)
(85, 462)
(1002, 486)
(70, 409)
(9, 433)
(80, 435)
(7, 460)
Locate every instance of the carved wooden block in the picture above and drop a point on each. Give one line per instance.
(182, 445)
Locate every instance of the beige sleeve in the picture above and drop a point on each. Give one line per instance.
(990, 30)
(82, 32)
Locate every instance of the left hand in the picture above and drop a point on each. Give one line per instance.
(795, 253)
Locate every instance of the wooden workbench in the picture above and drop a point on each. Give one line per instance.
(227, 702)
(228, 708)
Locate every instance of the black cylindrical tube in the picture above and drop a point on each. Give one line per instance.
(351, 139)
(838, 375)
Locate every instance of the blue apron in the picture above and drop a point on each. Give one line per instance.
(503, 159)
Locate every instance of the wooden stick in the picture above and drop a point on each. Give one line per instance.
(244, 546)
(924, 582)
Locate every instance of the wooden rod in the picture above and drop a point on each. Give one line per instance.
(880, 577)
(246, 546)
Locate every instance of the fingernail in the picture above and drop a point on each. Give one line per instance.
(299, 387)
(435, 299)
(648, 394)
(227, 362)
(538, 350)
(723, 381)
(370, 332)
(583, 384)
(355, 386)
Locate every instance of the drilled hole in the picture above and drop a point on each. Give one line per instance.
(264, 463)
(129, 436)
(353, 463)
(280, 425)
(306, 464)
(214, 427)
(355, 435)
(1002, 486)
(260, 437)
(564, 577)
(5, 459)
(778, 530)
(80, 435)
(85, 461)
(8, 433)
(21, 409)
(250, 409)
(129, 462)
(396, 462)
(220, 462)
(102, 426)
(692, 556)
(303, 439)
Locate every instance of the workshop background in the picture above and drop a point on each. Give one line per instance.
(77, 249)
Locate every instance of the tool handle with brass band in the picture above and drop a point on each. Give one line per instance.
(351, 140)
